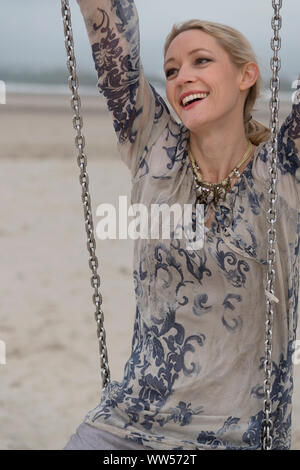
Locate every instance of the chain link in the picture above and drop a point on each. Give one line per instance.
(267, 424)
(84, 182)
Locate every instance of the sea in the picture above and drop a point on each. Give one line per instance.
(56, 83)
(88, 86)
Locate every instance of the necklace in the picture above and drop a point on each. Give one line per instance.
(214, 192)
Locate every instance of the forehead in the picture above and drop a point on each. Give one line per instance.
(192, 39)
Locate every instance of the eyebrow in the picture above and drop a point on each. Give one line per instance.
(190, 53)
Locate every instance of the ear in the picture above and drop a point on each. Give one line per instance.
(249, 75)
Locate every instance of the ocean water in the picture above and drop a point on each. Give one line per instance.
(90, 90)
(62, 89)
(46, 89)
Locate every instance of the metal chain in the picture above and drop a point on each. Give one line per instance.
(84, 181)
(267, 424)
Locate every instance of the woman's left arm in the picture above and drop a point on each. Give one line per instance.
(289, 141)
(288, 164)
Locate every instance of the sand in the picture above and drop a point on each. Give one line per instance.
(52, 375)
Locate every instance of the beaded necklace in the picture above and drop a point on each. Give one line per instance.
(214, 192)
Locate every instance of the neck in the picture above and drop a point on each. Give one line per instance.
(217, 153)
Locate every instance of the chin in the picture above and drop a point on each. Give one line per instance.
(194, 126)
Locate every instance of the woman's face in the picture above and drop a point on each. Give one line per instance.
(194, 64)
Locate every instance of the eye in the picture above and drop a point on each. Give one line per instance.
(200, 59)
(170, 72)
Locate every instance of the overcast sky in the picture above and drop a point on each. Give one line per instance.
(31, 35)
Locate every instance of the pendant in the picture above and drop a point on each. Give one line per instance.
(213, 193)
(205, 195)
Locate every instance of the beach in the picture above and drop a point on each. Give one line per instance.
(51, 378)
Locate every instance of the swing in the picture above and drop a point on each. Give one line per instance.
(267, 424)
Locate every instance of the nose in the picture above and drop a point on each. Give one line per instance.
(185, 75)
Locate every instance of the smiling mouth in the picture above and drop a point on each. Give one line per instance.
(188, 101)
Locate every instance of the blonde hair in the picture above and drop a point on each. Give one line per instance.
(240, 52)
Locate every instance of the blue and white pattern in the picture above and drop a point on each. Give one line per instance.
(195, 374)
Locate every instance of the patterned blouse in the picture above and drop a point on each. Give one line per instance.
(194, 378)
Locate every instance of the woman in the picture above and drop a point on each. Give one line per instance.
(194, 379)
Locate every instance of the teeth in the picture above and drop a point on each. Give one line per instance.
(189, 98)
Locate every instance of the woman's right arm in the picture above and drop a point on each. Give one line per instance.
(139, 113)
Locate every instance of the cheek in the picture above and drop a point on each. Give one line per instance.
(225, 91)
(229, 89)
(168, 92)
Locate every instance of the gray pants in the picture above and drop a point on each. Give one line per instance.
(89, 438)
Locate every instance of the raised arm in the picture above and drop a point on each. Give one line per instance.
(288, 156)
(139, 113)
(289, 138)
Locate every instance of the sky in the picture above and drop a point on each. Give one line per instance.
(31, 34)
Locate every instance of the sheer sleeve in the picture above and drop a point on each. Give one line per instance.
(289, 140)
(139, 114)
(289, 153)
(288, 156)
